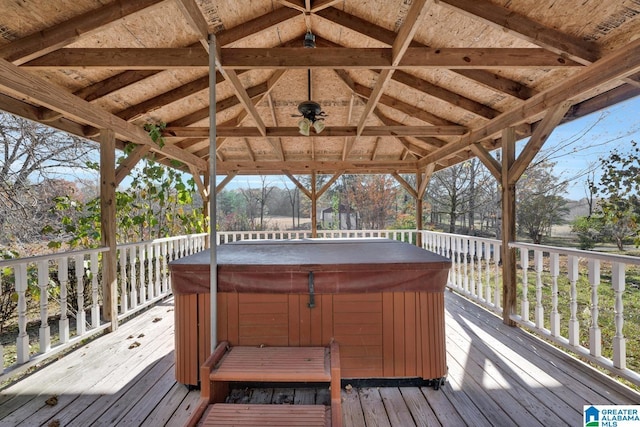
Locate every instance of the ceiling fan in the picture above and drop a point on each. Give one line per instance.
(310, 111)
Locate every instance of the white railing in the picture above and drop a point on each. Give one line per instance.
(144, 273)
(595, 283)
(475, 271)
(68, 286)
(234, 236)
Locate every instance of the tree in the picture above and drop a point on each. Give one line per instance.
(374, 197)
(539, 201)
(620, 189)
(158, 203)
(452, 189)
(36, 164)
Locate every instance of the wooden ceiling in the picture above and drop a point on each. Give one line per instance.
(407, 85)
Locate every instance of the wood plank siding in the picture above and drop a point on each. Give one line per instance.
(498, 375)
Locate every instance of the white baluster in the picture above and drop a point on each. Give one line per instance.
(472, 268)
(574, 325)
(157, 255)
(95, 307)
(149, 248)
(481, 250)
(619, 342)
(497, 301)
(165, 268)
(539, 312)
(489, 256)
(554, 268)
(524, 262)
(464, 243)
(1, 347)
(80, 316)
(143, 284)
(43, 283)
(595, 334)
(63, 278)
(133, 259)
(22, 342)
(124, 294)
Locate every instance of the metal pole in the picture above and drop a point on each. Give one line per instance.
(213, 284)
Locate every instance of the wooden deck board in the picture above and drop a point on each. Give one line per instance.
(498, 375)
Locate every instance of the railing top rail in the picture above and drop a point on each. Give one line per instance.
(57, 255)
(626, 259)
(162, 240)
(464, 236)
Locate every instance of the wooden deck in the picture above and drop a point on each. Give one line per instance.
(497, 376)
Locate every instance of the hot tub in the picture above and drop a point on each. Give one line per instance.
(380, 299)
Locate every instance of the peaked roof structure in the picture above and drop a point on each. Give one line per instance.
(407, 86)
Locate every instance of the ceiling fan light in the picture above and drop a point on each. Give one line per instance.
(304, 125)
(309, 40)
(318, 125)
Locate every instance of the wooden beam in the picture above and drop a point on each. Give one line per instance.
(412, 192)
(196, 20)
(314, 206)
(257, 25)
(619, 64)
(293, 4)
(15, 82)
(428, 171)
(298, 58)
(328, 132)
(53, 38)
(492, 165)
(445, 95)
(384, 35)
(328, 184)
(124, 79)
(538, 138)
(239, 90)
(199, 183)
(297, 183)
(129, 162)
(319, 5)
(108, 226)
(227, 179)
(159, 101)
(527, 29)
(324, 167)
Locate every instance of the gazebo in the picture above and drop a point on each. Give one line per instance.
(324, 87)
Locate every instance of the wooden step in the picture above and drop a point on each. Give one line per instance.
(226, 414)
(274, 364)
(267, 364)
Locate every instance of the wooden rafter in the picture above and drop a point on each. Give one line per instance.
(525, 28)
(240, 92)
(65, 33)
(617, 65)
(386, 36)
(15, 82)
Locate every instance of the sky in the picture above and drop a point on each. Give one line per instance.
(576, 147)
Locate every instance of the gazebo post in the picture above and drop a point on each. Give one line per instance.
(213, 284)
(108, 226)
(508, 231)
(314, 206)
